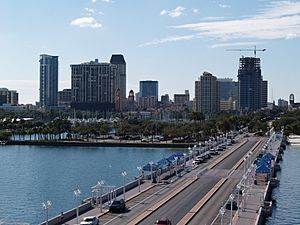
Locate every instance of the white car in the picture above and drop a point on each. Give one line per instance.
(90, 220)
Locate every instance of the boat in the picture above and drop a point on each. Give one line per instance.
(294, 139)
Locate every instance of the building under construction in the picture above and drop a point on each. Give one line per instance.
(253, 91)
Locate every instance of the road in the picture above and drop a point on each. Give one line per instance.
(181, 204)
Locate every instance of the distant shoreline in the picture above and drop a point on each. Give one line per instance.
(102, 144)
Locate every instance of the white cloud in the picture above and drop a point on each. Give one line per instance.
(228, 44)
(89, 10)
(108, 1)
(178, 11)
(86, 22)
(196, 11)
(224, 6)
(168, 39)
(280, 20)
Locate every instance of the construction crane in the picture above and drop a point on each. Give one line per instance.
(254, 50)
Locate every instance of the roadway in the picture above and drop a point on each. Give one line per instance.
(177, 207)
(180, 205)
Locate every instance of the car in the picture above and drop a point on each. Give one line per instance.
(164, 221)
(117, 206)
(90, 220)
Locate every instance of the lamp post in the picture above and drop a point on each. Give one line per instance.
(238, 199)
(245, 162)
(100, 184)
(124, 174)
(140, 175)
(184, 155)
(231, 200)
(77, 194)
(46, 206)
(176, 165)
(151, 169)
(222, 212)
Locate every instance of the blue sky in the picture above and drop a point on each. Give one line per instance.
(173, 42)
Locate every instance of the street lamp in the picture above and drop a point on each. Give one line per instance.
(184, 155)
(238, 200)
(151, 169)
(222, 212)
(77, 194)
(100, 183)
(231, 200)
(176, 165)
(46, 206)
(245, 162)
(124, 174)
(140, 175)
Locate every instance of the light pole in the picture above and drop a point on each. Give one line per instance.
(245, 162)
(77, 194)
(46, 206)
(184, 155)
(222, 212)
(140, 175)
(231, 200)
(100, 183)
(176, 165)
(238, 199)
(124, 174)
(151, 169)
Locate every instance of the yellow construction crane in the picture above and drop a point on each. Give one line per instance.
(254, 50)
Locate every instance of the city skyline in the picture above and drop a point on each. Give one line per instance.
(160, 41)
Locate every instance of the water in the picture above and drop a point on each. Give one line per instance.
(30, 175)
(287, 210)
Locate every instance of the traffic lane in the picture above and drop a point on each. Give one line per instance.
(211, 209)
(181, 204)
(176, 208)
(232, 159)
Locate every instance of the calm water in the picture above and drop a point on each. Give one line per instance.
(287, 210)
(30, 175)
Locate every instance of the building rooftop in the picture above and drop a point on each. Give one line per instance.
(117, 59)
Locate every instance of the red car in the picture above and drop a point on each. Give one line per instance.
(164, 221)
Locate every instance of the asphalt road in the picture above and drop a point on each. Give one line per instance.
(211, 209)
(181, 204)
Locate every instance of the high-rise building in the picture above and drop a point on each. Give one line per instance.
(148, 95)
(264, 94)
(93, 86)
(251, 85)
(65, 97)
(207, 98)
(10, 97)
(283, 104)
(182, 99)
(165, 99)
(48, 81)
(120, 80)
(228, 90)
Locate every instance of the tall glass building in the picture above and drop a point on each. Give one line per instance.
(48, 81)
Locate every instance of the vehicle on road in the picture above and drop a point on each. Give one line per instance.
(118, 206)
(164, 221)
(90, 220)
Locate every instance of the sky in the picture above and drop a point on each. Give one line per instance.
(171, 41)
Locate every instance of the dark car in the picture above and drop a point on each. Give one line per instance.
(118, 206)
(164, 221)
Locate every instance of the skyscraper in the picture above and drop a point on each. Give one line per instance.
(264, 94)
(120, 80)
(148, 95)
(252, 90)
(207, 99)
(93, 86)
(48, 81)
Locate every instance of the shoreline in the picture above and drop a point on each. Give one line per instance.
(102, 144)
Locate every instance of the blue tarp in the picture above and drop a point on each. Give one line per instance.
(263, 162)
(269, 155)
(163, 163)
(147, 167)
(172, 157)
(263, 169)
